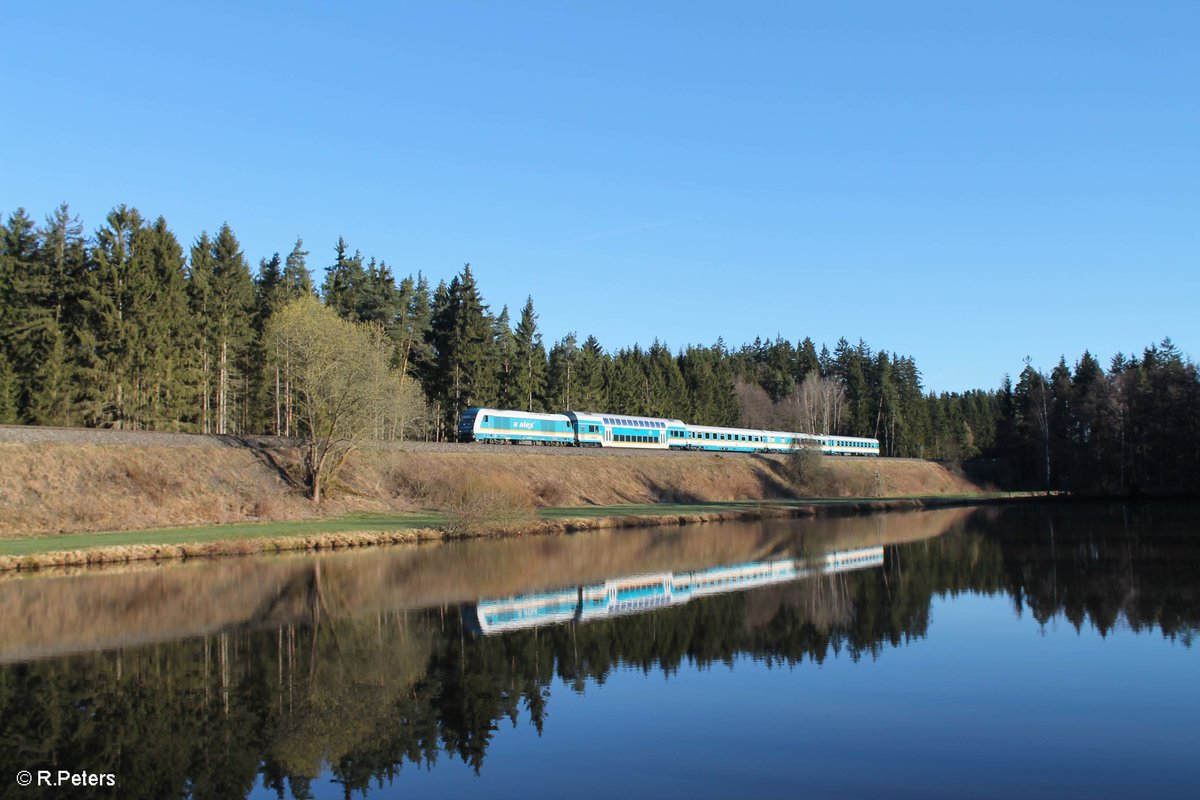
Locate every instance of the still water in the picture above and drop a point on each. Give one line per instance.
(1030, 651)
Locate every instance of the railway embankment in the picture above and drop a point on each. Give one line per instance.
(58, 484)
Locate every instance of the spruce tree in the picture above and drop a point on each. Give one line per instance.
(164, 329)
(232, 304)
(345, 282)
(201, 305)
(562, 376)
(297, 279)
(266, 382)
(30, 336)
(414, 353)
(461, 334)
(503, 355)
(529, 384)
(8, 392)
(592, 366)
(112, 306)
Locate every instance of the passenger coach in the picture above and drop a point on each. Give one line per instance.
(622, 430)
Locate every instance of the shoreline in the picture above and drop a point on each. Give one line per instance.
(351, 539)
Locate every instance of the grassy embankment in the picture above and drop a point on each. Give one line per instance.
(78, 504)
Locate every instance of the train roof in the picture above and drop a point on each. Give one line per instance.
(721, 429)
(519, 414)
(600, 416)
(793, 433)
(849, 438)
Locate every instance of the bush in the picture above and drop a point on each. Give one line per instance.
(481, 503)
(805, 465)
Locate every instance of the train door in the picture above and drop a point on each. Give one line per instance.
(607, 435)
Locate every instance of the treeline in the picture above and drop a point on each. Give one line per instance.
(126, 328)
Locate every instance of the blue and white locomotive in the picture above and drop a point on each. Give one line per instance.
(588, 429)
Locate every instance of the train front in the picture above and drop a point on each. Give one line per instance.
(466, 425)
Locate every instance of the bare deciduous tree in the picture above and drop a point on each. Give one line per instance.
(344, 391)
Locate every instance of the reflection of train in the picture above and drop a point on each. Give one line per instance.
(584, 429)
(638, 593)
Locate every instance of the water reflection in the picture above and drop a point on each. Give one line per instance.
(358, 667)
(637, 594)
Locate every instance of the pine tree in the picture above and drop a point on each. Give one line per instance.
(414, 352)
(30, 335)
(111, 304)
(65, 255)
(50, 385)
(297, 279)
(561, 375)
(232, 304)
(378, 300)
(201, 305)
(8, 392)
(503, 354)
(529, 358)
(593, 366)
(345, 281)
(667, 390)
(461, 334)
(266, 382)
(807, 361)
(165, 329)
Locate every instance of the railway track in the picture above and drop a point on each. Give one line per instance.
(35, 434)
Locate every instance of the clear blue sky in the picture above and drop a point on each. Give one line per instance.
(967, 185)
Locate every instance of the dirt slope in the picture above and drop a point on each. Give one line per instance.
(61, 486)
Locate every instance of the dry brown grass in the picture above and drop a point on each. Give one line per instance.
(54, 487)
(476, 503)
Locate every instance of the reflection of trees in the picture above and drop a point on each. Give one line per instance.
(368, 695)
(1107, 565)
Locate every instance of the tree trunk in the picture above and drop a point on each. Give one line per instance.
(222, 389)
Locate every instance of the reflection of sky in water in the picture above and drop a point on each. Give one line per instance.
(988, 704)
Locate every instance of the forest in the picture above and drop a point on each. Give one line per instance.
(125, 327)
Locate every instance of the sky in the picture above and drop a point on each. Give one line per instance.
(965, 183)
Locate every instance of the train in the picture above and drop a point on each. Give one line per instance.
(590, 429)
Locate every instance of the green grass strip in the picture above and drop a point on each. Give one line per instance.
(215, 533)
(383, 522)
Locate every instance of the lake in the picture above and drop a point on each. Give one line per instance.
(1033, 651)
